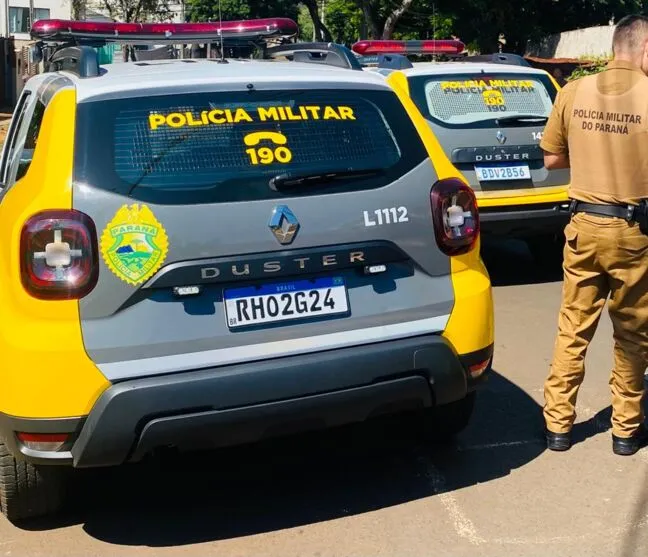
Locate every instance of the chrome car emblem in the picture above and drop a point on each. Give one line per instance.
(284, 224)
(501, 137)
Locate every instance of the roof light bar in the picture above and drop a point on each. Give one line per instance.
(56, 30)
(445, 46)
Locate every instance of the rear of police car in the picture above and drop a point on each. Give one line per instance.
(253, 248)
(489, 119)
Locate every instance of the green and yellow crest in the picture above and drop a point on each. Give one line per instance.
(134, 244)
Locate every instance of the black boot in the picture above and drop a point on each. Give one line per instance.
(558, 441)
(627, 446)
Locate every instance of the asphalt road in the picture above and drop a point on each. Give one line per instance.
(374, 491)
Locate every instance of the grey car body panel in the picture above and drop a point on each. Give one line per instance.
(522, 137)
(133, 331)
(519, 140)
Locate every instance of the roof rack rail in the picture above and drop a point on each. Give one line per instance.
(498, 58)
(82, 60)
(330, 54)
(394, 62)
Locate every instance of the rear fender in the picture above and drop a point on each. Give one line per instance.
(45, 371)
(471, 326)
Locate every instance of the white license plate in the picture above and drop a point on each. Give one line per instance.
(509, 172)
(286, 301)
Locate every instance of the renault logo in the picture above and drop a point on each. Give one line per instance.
(501, 137)
(284, 224)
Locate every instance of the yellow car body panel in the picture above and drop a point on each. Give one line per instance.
(45, 370)
(472, 325)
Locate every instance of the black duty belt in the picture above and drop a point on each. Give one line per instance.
(626, 212)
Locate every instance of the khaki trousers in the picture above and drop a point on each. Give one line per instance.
(602, 257)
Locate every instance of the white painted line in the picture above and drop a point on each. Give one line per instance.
(499, 445)
(463, 526)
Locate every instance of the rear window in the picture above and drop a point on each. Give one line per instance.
(217, 147)
(474, 100)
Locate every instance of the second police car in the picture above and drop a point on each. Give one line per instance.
(488, 113)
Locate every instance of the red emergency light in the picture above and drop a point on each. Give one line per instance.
(445, 46)
(61, 29)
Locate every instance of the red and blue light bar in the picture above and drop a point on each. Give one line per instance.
(444, 46)
(62, 30)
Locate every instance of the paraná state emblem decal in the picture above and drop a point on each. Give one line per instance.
(134, 244)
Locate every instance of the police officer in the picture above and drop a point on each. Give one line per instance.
(599, 129)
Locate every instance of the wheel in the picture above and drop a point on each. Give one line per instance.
(443, 423)
(28, 490)
(547, 249)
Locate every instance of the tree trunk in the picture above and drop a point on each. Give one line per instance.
(392, 20)
(78, 9)
(371, 18)
(321, 31)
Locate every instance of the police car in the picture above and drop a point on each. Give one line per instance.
(488, 112)
(204, 252)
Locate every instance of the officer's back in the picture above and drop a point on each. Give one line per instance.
(598, 128)
(606, 120)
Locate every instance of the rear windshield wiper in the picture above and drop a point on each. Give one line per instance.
(287, 180)
(521, 118)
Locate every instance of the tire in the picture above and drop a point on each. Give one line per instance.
(443, 423)
(28, 490)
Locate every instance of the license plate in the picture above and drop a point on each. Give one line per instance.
(510, 172)
(285, 301)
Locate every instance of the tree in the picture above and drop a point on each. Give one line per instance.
(131, 11)
(321, 31)
(78, 9)
(382, 16)
(345, 21)
(204, 10)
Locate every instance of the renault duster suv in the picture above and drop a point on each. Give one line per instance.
(489, 114)
(196, 253)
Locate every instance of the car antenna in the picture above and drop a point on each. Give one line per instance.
(220, 32)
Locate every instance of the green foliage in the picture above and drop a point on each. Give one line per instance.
(590, 66)
(305, 23)
(477, 22)
(207, 10)
(345, 21)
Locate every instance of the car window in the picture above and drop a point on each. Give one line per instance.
(23, 152)
(476, 99)
(219, 147)
(12, 134)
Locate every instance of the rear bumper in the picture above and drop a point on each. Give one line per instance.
(524, 220)
(245, 403)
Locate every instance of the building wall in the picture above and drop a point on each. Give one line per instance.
(592, 41)
(53, 9)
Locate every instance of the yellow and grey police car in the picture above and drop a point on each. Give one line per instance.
(488, 113)
(197, 253)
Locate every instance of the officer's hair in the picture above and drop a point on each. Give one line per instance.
(630, 34)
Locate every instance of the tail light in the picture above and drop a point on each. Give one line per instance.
(51, 442)
(455, 216)
(58, 251)
(477, 370)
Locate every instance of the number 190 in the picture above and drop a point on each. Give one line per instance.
(266, 155)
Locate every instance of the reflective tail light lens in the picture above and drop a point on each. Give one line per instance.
(59, 255)
(50, 442)
(455, 216)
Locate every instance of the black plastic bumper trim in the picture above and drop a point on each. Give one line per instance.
(248, 402)
(534, 218)
(11, 425)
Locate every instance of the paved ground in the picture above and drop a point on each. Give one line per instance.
(378, 492)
